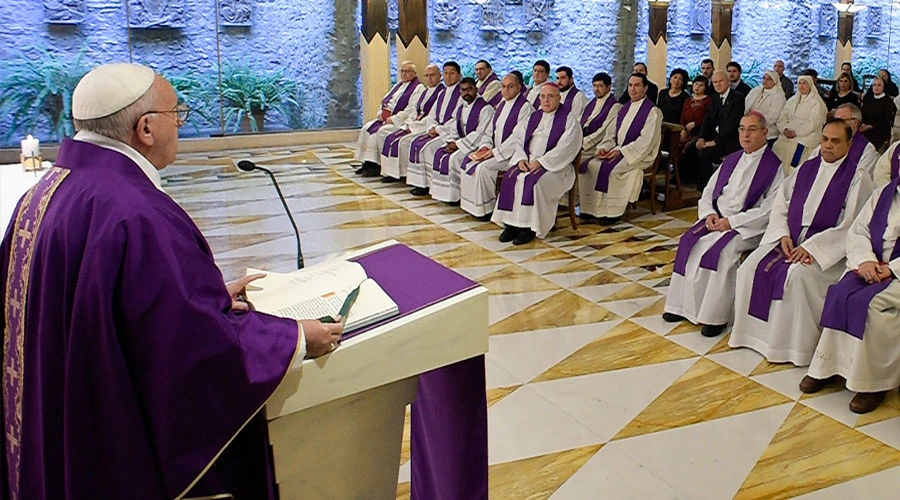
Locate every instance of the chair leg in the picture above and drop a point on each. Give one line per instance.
(653, 194)
(572, 218)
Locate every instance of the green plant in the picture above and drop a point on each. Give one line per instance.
(870, 68)
(752, 74)
(197, 91)
(34, 91)
(250, 93)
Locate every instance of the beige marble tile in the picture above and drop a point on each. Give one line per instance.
(608, 238)
(349, 190)
(766, 367)
(495, 395)
(632, 291)
(433, 235)
(469, 255)
(626, 346)
(656, 309)
(650, 258)
(537, 478)
(888, 409)
(576, 266)
(560, 309)
(626, 248)
(811, 452)
(604, 277)
(515, 279)
(551, 255)
(395, 218)
(372, 203)
(705, 392)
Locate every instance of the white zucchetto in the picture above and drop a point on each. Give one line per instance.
(110, 88)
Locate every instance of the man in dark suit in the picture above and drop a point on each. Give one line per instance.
(652, 89)
(719, 131)
(734, 78)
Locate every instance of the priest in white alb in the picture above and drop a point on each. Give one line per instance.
(540, 74)
(488, 84)
(474, 122)
(861, 150)
(540, 171)
(781, 286)
(571, 96)
(599, 115)
(887, 168)
(733, 214)
(479, 169)
(392, 168)
(612, 178)
(402, 96)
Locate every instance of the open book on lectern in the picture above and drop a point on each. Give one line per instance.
(324, 291)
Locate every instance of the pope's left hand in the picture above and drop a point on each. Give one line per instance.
(237, 291)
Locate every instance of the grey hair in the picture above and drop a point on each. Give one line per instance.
(120, 125)
(855, 113)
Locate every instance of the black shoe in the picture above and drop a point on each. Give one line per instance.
(372, 172)
(367, 166)
(453, 203)
(417, 191)
(525, 236)
(587, 217)
(672, 318)
(712, 330)
(486, 217)
(509, 233)
(389, 180)
(609, 221)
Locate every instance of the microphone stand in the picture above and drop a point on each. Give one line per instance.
(286, 209)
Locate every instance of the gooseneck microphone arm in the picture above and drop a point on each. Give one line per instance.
(249, 166)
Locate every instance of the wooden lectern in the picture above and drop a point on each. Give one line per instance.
(336, 423)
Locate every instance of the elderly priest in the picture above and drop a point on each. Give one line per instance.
(781, 286)
(540, 171)
(862, 311)
(734, 211)
(129, 368)
(612, 178)
(479, 169)
(473, 123)
(401, 97)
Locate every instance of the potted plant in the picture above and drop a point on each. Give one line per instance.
(248, 94)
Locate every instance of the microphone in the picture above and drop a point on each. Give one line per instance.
(249, 166)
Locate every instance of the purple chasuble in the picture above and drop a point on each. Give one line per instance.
(847, 302)
(762, 180)
(391, 147)
(771, 273)
(634, 131)
(595, 124)
(508, 187)
(497, 97)
(512, 119)
(401, 103)
(441, 156)
(137, 372)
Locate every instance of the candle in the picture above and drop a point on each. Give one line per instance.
(31, 147)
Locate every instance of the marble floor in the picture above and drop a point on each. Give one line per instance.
(591, 394)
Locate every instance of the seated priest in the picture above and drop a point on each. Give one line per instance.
(599, 114)
(540, 171)
(718, 133)
(862, 312)
(781, 286)
(888, 166)
(440, 121)
(612, 178)
(131, 369)
(861, 150)
(488, 83)
(392, 168)
(652, 88)
(769, 100)
(402, 97)
(473, 123)
(571, 96)
(540, 75)
(479, 169)
(734, 211)
(800, 124)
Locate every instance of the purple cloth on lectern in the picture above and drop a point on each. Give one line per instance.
(441, 162)
(847, 302)
(402, 103)
(771, 273)
(634, 131)
(449, 416)
(595, 124)
(508, 187)
(765, 173)
(137, 372)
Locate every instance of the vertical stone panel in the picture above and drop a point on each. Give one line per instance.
(412, 34)
(375, 56)
(657, 45)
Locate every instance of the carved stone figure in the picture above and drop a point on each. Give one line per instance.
(492, 15)
(156, 14)
(393, 16)
(446, 15)
(537, 14)
(874, 21)
(234, 12)
(700, 22)
(827, 20)
(64, 11)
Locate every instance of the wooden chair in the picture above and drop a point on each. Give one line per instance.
(649, 176)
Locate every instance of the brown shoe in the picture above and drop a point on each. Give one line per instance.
(864, 402)
(810, 385)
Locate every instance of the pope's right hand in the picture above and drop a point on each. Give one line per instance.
(321, 338)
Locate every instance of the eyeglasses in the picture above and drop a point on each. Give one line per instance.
(182, 112)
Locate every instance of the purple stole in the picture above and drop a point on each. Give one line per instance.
(570, 97)
(508, 188)
(524, 90)
(847, 302)
(634, 131)
(597, 122)
(391, 147)
(765, 174)
(401, 103)
(441, 156)
(895, 164)
(857, 148)
(415, 150)
(537, 101)
(508, 127)
(771, 273)
(497, 97)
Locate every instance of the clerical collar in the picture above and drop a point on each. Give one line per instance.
(756, 153)
(486, 78)
(834, 164)
(639, 101)
(105, 142)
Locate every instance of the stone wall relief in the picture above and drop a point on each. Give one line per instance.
(393, 15)
(234, 12)
(156, 14)
(537, 14)
(64, 11)
(491, 15)
(446, 15)
(874, 21)
(827, 20)
(699, 20)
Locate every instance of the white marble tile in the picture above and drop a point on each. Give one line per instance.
(742, 361)
(694, 341)
(404, 474)
(879, 486)
(626, 308)
(476, 273)
(675, 224)
(786, 382)
(610, 474)
(524, 424)
(835, 405)
(544, 267)
(709, 460)
(886, 431)
(496, 376)
(595, 293)
(655, 324)
(569, 280)
(519, 255)
(504, 305)
(605, 402)
(429, 250)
